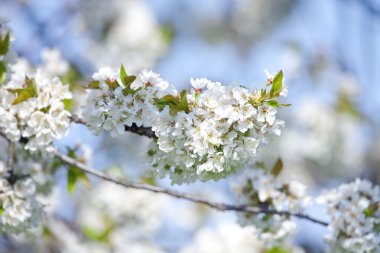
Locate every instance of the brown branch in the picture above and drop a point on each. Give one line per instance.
(142, 131)
(196, 199)
(10, 154)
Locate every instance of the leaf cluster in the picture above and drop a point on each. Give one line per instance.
(176, 103)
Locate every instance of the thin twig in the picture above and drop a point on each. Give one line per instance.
(10, 154)
(140, 130)
(196, 199)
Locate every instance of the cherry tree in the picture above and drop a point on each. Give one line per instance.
(204, 133)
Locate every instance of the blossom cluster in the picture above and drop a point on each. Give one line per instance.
(33, 108)
(266, 190)
(114, 102)
(20, 210)
(199, 134)
(354, 209)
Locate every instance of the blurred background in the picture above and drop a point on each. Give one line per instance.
(329, 51)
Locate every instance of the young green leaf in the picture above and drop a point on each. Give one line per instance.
(273, 103)
(3, 71)
(277, 167)
(169, 100)
(277, 85)
(96, 235)
(276, 250)
(4, 44)
(112, 84)
(24, 94)
(128, 80)
(371, 210)
(123, 74)
(260, 165)
(71, 180)
(68, 103)
(183, 104)
(74, 174)
(93, 85)
(125, 79)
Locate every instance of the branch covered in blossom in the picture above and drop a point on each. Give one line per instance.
(204, 133)
(196, 199)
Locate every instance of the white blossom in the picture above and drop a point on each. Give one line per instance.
(220, 133)
(20, 209)
(265, 190)
(199, 83)
(354, 209)
(40, 117)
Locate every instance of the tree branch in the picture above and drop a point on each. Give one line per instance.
(142, 131)
(196, 199)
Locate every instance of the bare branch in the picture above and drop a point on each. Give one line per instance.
(196, 199)
(142, 131)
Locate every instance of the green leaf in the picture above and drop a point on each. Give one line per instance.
(93, 85)
(174, 110)
(371, 210)
(285, 105)
(276, 250)
(74, 174)
(149, 180)
(260, 165)
(277, 167)
(71, 180)
(3, 71)
(273, 103)
(183, 104)
(112, 85)
(45, 109)
(167, 33)
(345, 105)
(1, 210)
(68, 103)
(123, 74)
(46, 232)
(4, 44)
(25, 93)
(125, 79)
(128, 80)
(277, 85)
(169, 100)
(126, 91)
(95, 235)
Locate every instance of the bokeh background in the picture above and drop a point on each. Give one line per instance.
(329, 51)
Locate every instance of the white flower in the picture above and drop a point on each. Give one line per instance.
(262, 188)
(355, 216)
(21, 210)
(105, 73)
(199, 83)
(266, 114)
